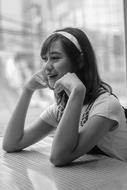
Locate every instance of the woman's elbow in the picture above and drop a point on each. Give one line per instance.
(59, 160)
(9, 149)
(56, 162)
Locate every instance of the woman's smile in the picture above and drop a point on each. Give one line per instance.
(52, 78)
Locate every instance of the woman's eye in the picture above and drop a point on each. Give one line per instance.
(44, 58)
(55, 57)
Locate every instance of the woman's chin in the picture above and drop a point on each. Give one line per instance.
(51, 88)
(51, 85)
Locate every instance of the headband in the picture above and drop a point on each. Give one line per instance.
(71, 37)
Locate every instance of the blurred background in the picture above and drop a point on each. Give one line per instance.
(23, 26)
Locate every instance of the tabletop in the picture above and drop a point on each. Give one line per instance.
(31, 169)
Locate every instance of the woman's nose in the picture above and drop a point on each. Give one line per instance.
(48, 66)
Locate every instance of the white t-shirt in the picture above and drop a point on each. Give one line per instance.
(114, 143)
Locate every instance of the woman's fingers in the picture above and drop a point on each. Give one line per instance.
(40, 80)
(37, 81)
(58, 88)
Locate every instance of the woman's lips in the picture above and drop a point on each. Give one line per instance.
(51, 80)
(52, 76)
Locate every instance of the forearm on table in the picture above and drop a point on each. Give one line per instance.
(66, 137)
(15, 128)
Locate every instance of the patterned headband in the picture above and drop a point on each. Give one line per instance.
(71, 38)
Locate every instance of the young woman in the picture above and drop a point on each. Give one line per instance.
(86, 115)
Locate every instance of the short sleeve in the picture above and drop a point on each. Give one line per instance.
(109, 107)
(50, 115)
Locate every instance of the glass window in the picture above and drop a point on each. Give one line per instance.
(104, 23)
(25, 25)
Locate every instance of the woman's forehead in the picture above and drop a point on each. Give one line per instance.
(54, 47)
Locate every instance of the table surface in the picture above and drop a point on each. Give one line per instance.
(31, 169)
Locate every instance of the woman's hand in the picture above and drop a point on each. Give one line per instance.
(69, 82)
(37, 81)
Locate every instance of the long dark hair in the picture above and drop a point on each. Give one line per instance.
(84, 64)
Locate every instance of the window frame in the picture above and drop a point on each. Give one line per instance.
(125, 31)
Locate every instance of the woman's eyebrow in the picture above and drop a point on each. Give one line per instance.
(55, 52)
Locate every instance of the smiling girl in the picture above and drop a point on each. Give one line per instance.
(87, 117)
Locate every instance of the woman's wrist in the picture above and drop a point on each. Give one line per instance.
(28, 90)
(78, 94)
(79, 91)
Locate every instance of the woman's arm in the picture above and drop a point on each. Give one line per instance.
(70, 142)
(66, 136)
(16, 137)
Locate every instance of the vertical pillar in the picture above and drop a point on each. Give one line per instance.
(125, 31)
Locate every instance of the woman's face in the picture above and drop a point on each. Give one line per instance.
(56, 63)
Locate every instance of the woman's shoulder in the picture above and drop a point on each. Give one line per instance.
(107, 105)
(50, 114)
(107, 99)
(52, 108)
